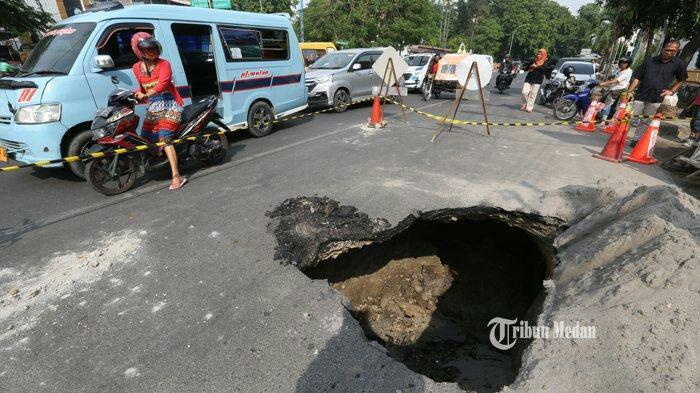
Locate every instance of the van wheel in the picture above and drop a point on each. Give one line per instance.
(260, 118)
(78, 147)
(341, 100)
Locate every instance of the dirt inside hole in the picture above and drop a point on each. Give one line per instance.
(428, 292)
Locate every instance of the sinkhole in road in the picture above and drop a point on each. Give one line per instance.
(427, 288)
(428, 294)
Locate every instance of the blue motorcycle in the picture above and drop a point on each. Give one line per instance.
(572, 104)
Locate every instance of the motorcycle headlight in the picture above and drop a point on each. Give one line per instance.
(99, 133)
(106, 130)
(37, 114)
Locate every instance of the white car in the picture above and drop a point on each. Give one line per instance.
(583, 70)
(417, 71)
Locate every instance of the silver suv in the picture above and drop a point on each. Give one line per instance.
(339, 78)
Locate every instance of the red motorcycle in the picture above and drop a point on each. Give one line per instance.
(115, 127)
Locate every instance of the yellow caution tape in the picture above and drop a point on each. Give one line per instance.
(144, 147)
(445, 119)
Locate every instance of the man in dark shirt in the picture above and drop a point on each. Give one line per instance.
(653, 79)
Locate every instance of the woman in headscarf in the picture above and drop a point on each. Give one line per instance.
(154, 76)
(538, 68)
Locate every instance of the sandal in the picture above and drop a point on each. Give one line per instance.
(183, 180)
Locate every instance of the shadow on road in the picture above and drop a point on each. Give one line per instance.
(55, 173)
(343, 367)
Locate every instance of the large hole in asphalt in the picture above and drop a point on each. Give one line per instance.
(427, 288)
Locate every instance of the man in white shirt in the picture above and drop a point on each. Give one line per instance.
(619, 83)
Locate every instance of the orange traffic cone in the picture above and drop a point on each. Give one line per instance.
(376, 117)
(643, 152)
(588, 123)
(613, 149)
(619, 115)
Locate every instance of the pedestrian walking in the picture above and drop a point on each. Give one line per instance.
(162, 119)
(537, 68)
(654, 80)
(618, 84)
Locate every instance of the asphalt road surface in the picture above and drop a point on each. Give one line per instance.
(178, 291)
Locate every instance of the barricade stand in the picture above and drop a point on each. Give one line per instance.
(390, 66)
(458, 100)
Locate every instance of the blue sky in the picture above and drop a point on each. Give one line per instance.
(573, 5)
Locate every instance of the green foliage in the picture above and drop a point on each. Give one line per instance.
(487, 37)
(17, 17)
(372, 22)
(485, 26)
(268, 6)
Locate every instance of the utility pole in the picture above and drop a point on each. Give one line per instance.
(301, 21)
(512, 35)
(445, 24)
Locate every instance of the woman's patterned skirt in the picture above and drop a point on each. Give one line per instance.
(162, 119)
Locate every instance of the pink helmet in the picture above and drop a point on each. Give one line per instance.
(140, 36)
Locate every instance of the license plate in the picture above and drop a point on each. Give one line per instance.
(3, 155)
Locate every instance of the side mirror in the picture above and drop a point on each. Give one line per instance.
(104, 61)
(356, 66)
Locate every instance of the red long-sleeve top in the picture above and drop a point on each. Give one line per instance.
(160, 80)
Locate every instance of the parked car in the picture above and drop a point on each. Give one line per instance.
(583, 70)
(417, 71)
(312, 51)
(249, 61)
(339, 78)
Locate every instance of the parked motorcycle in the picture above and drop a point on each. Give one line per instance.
(553, 91)
(572, 104)
(504, 79)
(115, 127)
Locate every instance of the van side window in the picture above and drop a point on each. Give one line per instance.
(242, 44)
(257, 44)
(116, 42)
(275, 44)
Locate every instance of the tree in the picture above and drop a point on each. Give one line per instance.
(682, 17)
(685, 23)
(266, 7)
(488, 37)
(17, 17)
(372, 22)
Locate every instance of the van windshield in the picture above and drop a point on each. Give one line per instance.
(57, 50)
(414, 61)
(333, 61)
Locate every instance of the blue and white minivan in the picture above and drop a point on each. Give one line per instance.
(250, 61)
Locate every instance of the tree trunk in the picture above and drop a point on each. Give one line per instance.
(611, 54)
(690, 48)
(650, 42)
